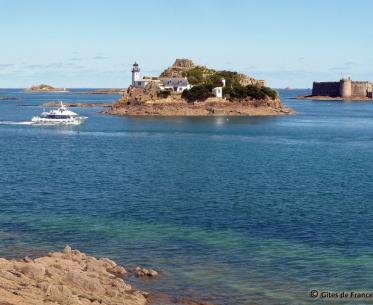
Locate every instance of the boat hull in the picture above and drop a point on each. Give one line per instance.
(48, 121)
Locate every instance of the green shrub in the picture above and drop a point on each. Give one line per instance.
(239, 92)
(255, 92)
(195, 76)
(227, 91)
(196, 93)
(165, 93)
(270, 92)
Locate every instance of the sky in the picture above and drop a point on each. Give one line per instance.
(93, 43)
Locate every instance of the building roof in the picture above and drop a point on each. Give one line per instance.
(175, 82)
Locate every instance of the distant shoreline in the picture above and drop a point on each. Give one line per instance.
(81, 105)
(102, 91)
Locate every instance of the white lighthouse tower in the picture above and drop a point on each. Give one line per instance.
(135, 74)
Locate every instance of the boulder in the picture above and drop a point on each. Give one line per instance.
(67, 250)
(145, 272)
(80, 280)
(33, 270)
(117, 271)
(107, 263)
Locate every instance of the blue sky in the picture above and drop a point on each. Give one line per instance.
(93, 43)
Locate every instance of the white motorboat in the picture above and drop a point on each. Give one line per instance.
(59, 116)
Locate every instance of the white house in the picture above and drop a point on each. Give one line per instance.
(176, 84)
(218, 92)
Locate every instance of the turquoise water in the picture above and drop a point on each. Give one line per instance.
(232, 210)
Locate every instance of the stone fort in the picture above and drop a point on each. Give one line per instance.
(345, 88)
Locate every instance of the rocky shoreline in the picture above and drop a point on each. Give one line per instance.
(210, 107)
(74, 278)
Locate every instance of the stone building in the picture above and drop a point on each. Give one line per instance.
(345, 88)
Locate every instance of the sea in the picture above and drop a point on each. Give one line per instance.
(231, 210)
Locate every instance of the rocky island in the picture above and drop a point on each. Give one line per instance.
(186, 89)
(45, 88)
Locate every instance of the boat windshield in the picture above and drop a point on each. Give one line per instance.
(58, 116)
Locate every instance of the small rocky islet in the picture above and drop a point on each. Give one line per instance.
(45, 88)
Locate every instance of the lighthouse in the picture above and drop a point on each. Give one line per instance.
(135, 74)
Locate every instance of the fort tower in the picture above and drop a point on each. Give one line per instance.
(345, 88)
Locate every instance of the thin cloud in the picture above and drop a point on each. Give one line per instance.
(348, 65)
(99, 57)
(53, 66)
(5, 66)
(76, 59)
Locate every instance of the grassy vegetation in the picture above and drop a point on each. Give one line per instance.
(255, 92)
(205, 79)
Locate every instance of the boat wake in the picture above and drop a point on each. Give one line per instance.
(15, 123)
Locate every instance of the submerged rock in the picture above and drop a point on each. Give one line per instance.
(145, 272)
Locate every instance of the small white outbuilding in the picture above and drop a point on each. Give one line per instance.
(218, 92)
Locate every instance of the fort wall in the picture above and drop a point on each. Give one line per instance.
(345, 88)
(361, 88)
(326, 89)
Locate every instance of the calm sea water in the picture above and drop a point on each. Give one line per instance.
(232, 210)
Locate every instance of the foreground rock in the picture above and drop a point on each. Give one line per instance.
(67, 278)
(45, 88)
